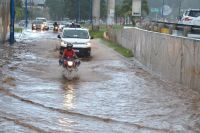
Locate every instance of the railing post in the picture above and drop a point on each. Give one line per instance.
(186, 30)
(172, 28)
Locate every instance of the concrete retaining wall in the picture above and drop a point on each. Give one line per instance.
(174, 58)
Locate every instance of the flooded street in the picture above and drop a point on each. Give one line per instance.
(110, 95)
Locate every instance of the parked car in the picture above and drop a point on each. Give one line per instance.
(191, 17)
(79, 37)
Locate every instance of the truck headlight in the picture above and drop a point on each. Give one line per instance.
(88, 44)
(62, 42)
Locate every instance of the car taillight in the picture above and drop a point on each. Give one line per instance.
(188, 19)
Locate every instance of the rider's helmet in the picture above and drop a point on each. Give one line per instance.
(72, 25)
(69, 46)
(55, 23)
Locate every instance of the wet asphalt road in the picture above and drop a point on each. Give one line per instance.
(110, 94)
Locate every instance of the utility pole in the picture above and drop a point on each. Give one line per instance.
(111, 12)
(12, 22)
(90, 11)
(79, 11)
(179, 9)
(163, 4)
(26, 13)
(96, 14)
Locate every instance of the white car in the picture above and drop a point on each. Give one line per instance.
(50, 24)
(79, 37)
(62, 25)
(191, 17)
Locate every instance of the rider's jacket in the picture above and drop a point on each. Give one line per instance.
(69, 54)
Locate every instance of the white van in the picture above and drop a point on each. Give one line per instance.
(79, 37)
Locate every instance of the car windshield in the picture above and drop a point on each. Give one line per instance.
(76, 34)
(62, 23)
(37, 22)
(41, 19)
(194, 13)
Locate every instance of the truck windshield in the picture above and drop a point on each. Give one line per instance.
(194, 13)
(83, 34)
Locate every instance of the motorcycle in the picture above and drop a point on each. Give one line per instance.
(56, 28)
(70, 67)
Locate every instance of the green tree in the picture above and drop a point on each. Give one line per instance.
(59, 9)
(56, 8)
(19, 12)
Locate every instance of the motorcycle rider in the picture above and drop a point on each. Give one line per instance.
(55, 25)
(69, 54)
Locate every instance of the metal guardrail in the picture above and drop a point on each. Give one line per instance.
(186, 29)
(178, 25)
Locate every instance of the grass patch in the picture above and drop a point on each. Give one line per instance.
(17, 29)
(117, 27)
(102, 29)
(120, 49)
(97, 34)
(117, 47)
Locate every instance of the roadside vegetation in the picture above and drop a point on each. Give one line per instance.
(117, 47)
(17, 29)
(120, 49)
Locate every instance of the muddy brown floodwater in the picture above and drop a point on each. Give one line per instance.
(110, 95)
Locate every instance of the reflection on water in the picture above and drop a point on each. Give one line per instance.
(65, 123)
(69, 96)
(68, 103)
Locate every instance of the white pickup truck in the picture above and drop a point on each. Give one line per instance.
(191, 17)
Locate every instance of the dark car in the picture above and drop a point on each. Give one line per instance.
(74, 25)
(22, 23)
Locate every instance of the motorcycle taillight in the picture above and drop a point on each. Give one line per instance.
(65, 62)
